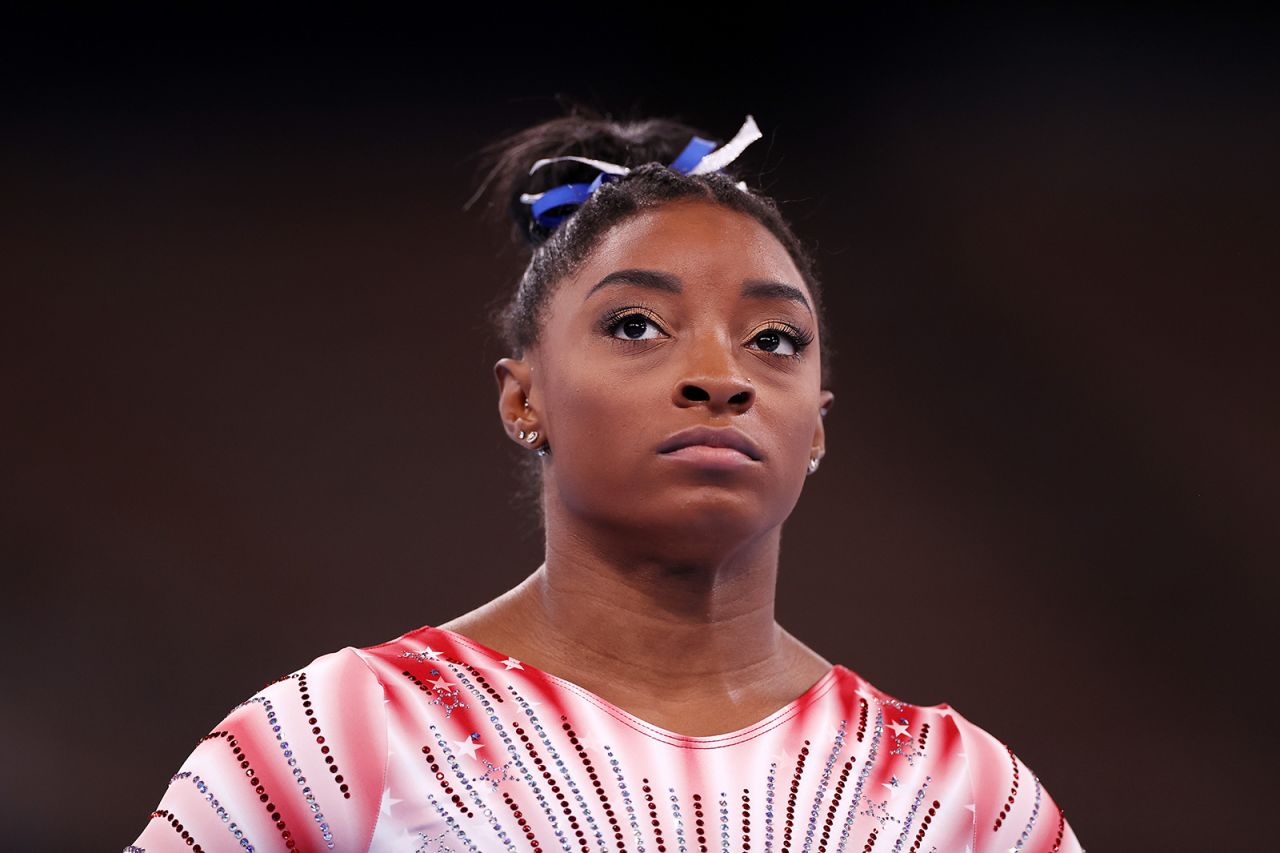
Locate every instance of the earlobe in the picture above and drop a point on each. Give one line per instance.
(512, 376)
(826, 399)
(519, 418)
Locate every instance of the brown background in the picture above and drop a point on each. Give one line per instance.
(249, 414)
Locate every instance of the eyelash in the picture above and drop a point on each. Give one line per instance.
(800, 339)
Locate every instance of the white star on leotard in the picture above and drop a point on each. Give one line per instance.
(899, 729)
(469, 746)
(389, 801)
(512, 663)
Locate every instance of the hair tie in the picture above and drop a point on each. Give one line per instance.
(698, 157)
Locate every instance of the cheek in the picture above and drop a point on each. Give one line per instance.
(596, 417)
(798, 433)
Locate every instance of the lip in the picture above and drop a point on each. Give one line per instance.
(728, 437)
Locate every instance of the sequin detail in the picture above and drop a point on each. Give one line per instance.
(486, 753)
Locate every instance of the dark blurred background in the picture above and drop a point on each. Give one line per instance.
(249, 415)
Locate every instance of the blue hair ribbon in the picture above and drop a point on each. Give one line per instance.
(698, 157)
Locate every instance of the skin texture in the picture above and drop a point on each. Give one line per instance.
(657, 591)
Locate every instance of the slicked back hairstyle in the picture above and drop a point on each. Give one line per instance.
(643, 145)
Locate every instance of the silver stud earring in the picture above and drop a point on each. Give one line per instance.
(531, 437)
(813, 464)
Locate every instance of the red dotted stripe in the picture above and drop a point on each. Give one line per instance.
(425, 688)
(1062, 827)
(479, 678)
(329, 760)
(653, 817)
(795, 792)
(862, 719)
(601, 794)
(444, 782)
(700, 823)
(838, 794)
(258, 787)
(178, 828)
(924, 825)
(746, 818)
(555, 787)
(1013, 789)
(524, 824)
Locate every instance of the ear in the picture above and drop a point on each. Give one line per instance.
(515, 385)
(825, 401)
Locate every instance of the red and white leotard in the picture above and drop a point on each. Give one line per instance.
(434, 742)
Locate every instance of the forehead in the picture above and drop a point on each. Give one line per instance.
(699, 241)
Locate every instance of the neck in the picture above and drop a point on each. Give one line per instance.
(668, 624)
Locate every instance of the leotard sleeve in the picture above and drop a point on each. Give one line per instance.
(1012, 808)
(300, 765)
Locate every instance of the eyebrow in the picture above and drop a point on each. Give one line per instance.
(752, 288)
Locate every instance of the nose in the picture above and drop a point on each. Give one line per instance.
(713, 379)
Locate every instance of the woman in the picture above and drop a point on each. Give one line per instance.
(634, 692)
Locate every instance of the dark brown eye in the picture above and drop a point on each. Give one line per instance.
(771, 340)
(778, 342)
(633, 327)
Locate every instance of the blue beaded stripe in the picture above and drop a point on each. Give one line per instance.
(637, 834)
(586, 829)
(768, 805)
(911, 815)
(867, 765)
(452, 824)
(1031, 821)
(217, 807)
(563, 768)
(233, 744)
(834, 808)
(674, 799)
(818, 796)
(513, 750)
(724, 823)
(301, 780)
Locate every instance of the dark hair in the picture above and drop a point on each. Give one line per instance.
(644, 145)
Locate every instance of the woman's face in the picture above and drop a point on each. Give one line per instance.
(687, 315)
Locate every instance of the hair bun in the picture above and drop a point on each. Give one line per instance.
(584, 133)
